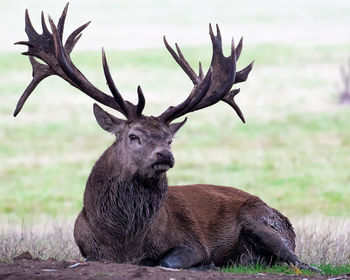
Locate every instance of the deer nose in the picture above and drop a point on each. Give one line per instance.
(165, 156)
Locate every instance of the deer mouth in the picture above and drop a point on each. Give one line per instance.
(163, 166)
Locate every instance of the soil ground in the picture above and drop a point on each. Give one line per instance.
(53, 269)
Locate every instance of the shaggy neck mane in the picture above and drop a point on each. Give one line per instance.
(126, 209)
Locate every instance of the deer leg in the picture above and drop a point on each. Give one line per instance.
(181, 257)
(148, 262)
(268, 240)
(83, 236)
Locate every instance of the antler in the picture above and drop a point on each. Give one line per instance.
(215, 85)
(49, 48)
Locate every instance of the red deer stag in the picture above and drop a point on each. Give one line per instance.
(130, 214)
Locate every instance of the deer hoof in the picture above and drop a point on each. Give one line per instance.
(308, 267)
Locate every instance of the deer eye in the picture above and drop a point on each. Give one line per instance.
(170, 141)
(134, 139)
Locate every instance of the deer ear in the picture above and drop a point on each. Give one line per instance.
(107, 121)
(174, 127)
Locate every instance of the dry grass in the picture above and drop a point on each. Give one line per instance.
(324, 241)
(319, 241)
(50, 239)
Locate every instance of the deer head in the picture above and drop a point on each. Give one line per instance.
(143, 142)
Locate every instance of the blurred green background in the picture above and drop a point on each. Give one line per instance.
(293, 152)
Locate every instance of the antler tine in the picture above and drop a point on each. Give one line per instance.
(201, 75)
(141, 101)
(216, 40)
(229, 99)
(182, 62)
(239, 48)
(29, 29)
(218, 33)
(43, 24)
(242, 75)
(127, 108)
(40, 72)
(223, 75)
(61, 21)
(117, 96)
(74, 37)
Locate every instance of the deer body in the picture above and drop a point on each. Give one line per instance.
(129, 213)
(137, 218)
(207, 220)
(216, 233)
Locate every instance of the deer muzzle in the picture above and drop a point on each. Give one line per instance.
(164, 160)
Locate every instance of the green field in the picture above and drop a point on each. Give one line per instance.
(295, 156)
(293, 152)
(253, 269)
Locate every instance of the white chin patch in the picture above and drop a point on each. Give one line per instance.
(161, 167)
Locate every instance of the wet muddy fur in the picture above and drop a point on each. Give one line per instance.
(245, 230)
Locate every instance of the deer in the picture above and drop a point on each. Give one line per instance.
(344, 96)
(129, 213)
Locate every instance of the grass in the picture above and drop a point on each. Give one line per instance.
(326, 246)
(323, 240)
(49, 239)
(284, 269)
(293, 151)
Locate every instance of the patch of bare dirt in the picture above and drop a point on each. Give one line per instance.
(29, 269)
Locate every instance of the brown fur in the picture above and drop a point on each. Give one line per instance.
(131, 215)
